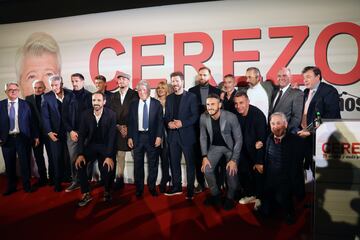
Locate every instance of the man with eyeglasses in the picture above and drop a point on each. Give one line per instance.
(16, 134)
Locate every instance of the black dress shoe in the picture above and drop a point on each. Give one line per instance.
(162, 188)
(228, 204)
(28, 189)
(119, 183)
(42, 182)
(213, 200)
(57, 187)
(9, 192)
(138, 194)
(153, 192)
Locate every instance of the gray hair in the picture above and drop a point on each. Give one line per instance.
(6, 87)
(145, 84)
(279, 114)
(38, 81)
(55, 78)
(37, 44)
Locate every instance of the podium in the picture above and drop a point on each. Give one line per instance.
(337, 180)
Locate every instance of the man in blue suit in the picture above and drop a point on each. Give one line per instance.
(145, 133)
(319, 97)
(181, 115)
(16, 134)
(54, 107)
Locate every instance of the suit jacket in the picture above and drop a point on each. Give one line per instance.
(88, 126)
(326, 101)
(36, 114)
(155, 121)
(254, 130)
(230, 131)
(291, 104)
(196, 90)
(292, 163)
(83, 101)
(188, 114)
(26, 125)
(52, 118)
(122, 113)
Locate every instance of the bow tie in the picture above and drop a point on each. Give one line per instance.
(277, 140)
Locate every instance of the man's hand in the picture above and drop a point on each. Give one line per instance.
(303, 133)
(110, 164)
(157, 142)
(205, 162)
(80, 162)
(259, 144)
(74, 136)
(178, 123)
(130, 143)
(259, 168)
(53, 136)
(222, 96)
(36, 142)
(123, 131)
(171, 125)
(231, 166)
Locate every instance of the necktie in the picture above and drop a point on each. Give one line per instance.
(277, 140)
(145, 117)
(306, 107)
(278, 99)
(12, 116)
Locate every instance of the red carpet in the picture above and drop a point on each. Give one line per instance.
(45, 214)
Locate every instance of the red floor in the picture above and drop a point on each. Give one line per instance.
(45, 214)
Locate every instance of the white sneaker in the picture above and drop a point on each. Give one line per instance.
(247, 200)
(257, 204)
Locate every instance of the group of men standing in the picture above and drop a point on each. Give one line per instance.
(245, 142)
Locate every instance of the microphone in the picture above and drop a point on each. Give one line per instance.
(314, 124)
(346, 93)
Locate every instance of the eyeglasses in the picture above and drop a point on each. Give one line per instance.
(12, 90)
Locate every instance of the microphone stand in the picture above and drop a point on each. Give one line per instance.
(346, 93)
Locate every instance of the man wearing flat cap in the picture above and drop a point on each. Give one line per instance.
(119, 103)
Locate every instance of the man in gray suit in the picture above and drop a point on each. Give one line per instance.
(288, 101)
(220, 135)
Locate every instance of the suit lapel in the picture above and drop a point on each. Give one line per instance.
(283, 99)
(209, 127)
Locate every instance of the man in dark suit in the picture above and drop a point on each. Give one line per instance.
(283, 170)
(220, 135)
(16, 134)
(100, 84)
(97, 136)
(201, 90)
(34, 101)
(53, 114)
(227, 97)
(72, 119)
(181, 115)
(253, 126)
(145, 133)
(119, 103)
(288, 101)
(319, 97)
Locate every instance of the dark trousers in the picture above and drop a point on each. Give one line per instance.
(96, 152)
(164, 163)
(59, 154)
(152, 152)
(176, 147)
(277, 195)
(20, 145)
(198, 163)
(251, 181)
(39, 157)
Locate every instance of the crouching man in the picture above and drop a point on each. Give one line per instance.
(220, 135)
(96, 142)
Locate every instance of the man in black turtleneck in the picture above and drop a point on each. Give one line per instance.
(83, 102)
(202, 91)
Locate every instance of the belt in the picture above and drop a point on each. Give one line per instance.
(14, 134)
